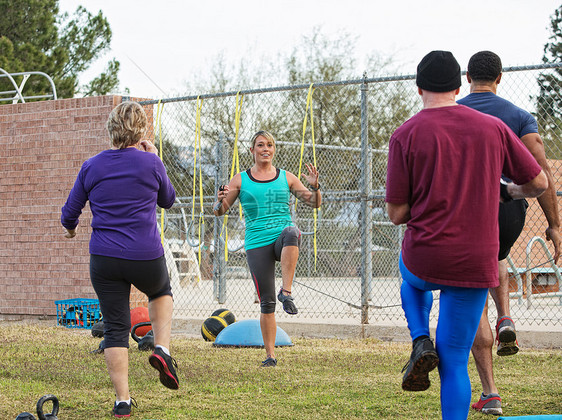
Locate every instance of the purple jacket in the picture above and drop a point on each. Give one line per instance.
(123, 188)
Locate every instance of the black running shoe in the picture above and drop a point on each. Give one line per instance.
(288, 303)
(123, 409)
(269, 362)
(422, 361)
(167, 366)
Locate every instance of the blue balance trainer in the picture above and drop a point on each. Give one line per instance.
(247, 333)
(539, 417)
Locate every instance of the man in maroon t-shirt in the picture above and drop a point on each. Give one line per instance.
(443, 168)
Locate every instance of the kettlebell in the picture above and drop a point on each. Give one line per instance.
(145, 343)
(100, 348)
(53, 414)
(25, 416)
(97, 329)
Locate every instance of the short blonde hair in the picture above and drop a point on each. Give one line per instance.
(262, 133)
(126, 124)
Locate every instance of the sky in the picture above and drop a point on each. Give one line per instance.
(163, 45)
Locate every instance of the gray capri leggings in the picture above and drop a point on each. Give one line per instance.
(261, 262)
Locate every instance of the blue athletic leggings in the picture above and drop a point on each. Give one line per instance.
(460, 310)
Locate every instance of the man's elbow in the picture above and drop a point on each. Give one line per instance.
(537, 186)
(398, 215)
(393, 216)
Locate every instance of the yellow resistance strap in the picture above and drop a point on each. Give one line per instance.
(309, 106)
(197, 150)
(235, 165)
(159, 127)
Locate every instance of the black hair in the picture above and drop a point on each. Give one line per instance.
(484, 66)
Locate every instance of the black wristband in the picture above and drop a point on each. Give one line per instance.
(315, 189)
(504, 194)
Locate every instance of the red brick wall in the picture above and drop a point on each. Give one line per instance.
(43, 144)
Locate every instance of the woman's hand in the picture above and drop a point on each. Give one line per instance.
(227, 195)
(69, 233)
(312, 177)
(222, 192)
(147, 146)
(221, 195)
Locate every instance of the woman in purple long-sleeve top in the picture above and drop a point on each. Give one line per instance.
(123, 185)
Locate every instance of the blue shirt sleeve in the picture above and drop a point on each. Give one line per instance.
(528, 124)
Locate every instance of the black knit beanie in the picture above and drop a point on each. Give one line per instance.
(439, 71)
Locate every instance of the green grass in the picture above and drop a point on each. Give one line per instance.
(314, 379)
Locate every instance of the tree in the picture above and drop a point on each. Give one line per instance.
(337, 123)
(317, 58)
(549, 100)
(35, 37)
(337, 109)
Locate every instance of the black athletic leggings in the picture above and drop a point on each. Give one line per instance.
(511, 221)
(261, 262)
(112, 279)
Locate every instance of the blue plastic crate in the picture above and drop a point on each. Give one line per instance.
(78, 313)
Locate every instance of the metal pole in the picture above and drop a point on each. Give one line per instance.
(223, 173)
(216, 224)
(219, 264)
(366, 207)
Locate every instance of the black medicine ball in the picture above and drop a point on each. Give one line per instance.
(212, 327)
(226, 315)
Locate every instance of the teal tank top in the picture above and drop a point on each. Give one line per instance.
(266, 208)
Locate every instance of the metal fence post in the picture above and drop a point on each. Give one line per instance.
(219, 263)
(366, 207)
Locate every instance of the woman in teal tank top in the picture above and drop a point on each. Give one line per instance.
(264, 192)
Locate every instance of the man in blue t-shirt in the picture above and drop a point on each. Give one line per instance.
(484, 75)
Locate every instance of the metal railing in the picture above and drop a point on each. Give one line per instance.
(17, 92)
(530, 271)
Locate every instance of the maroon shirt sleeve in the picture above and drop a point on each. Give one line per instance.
(519, 164)
(397, 175)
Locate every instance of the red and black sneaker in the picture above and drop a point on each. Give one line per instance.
(167, 366)
(506, 337)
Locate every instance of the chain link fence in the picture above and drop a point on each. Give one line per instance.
(351, 275)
